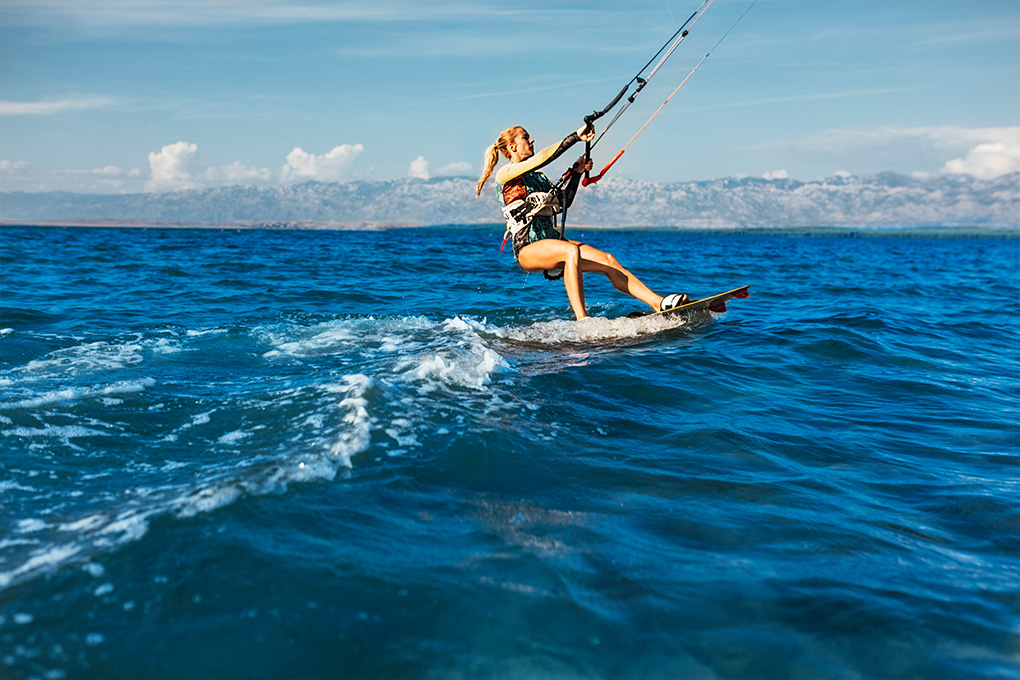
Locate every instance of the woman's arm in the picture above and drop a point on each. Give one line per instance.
(539, 160)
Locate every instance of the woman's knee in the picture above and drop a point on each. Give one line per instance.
(598, 259)
(614, 271)
(573, 254)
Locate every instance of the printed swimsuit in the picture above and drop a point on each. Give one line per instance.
(542, 226)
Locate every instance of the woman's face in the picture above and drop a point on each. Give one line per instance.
(522, 147)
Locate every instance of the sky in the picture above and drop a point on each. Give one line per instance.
(116, 96)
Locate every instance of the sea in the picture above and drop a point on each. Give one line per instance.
(390, 453)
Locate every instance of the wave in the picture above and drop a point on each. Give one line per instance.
(284, 403)
(150, 437)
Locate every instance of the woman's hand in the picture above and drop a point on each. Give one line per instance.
(581, 165)
(586, 133)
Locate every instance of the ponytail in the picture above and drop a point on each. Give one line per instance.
(492, 156)
(488, 164)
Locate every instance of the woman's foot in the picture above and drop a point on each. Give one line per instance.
(673, 300)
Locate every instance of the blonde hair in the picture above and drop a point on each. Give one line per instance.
(492, 155)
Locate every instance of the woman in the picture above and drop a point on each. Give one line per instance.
(530, 204)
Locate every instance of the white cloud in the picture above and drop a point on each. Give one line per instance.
(776, 174)
(329, 167)
(987, 161)
(176, 167)
(419, 168)
(454, 169)
(422, 169)
(107, 171)
(47, 108)
(173, 167)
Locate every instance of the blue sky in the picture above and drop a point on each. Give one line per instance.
(151, 95)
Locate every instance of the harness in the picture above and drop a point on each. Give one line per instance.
(521, 213)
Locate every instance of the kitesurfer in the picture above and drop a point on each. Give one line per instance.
(530, 203)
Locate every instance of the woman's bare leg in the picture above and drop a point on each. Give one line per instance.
(595, 260)
(575, 259)
(556, 254)
(580, 288)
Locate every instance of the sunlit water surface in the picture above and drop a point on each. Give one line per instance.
(392, 454)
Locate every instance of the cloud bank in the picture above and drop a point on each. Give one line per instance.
(176, 167)
(982, 153)
(334, 166)
(988, 160)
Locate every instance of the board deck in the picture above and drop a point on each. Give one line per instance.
(713, 303)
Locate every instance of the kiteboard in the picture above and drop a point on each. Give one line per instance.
(713, 303)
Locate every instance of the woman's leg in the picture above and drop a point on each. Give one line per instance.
(575, 259)
(556, 254)
(595, 260)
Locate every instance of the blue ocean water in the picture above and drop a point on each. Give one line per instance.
(392, 454)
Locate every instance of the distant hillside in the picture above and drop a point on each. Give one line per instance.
(879, 200)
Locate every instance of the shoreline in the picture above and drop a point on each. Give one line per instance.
(279, 225)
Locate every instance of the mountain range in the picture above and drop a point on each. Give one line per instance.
(883, 200)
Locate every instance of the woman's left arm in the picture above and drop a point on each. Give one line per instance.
(539, 160)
